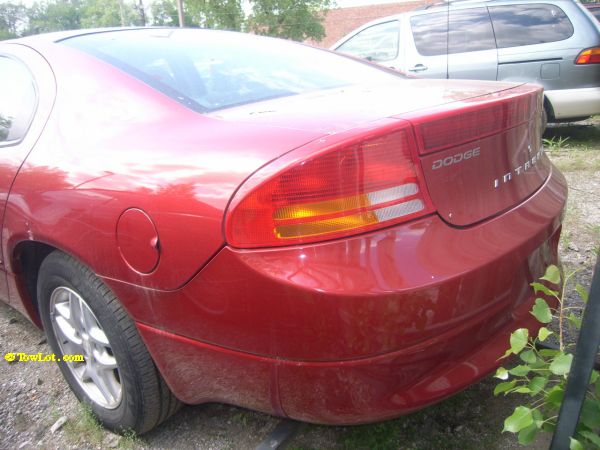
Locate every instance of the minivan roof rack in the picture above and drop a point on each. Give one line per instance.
(448, 2)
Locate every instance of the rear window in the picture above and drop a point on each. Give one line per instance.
(209, 70)
(535, 23)
(595, 12)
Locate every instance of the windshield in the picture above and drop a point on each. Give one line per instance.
(208, 70)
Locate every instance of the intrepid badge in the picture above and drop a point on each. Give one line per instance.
(520, 169)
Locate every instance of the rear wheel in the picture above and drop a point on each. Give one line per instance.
(117, 378)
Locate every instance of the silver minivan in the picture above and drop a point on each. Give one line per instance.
(555, 43)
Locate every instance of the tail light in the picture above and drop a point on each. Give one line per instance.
(357, 186)
(450, 129)
(589, 56)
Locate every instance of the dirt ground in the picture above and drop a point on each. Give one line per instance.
(33, 396)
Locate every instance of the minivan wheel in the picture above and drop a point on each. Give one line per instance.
(117, 376)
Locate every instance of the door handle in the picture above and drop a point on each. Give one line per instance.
(418, 68)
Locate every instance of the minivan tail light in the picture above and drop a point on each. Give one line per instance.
(589, 56)
(350, 188)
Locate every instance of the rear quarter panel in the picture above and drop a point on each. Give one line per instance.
(113, 143)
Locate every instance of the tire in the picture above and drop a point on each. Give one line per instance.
(118, 379)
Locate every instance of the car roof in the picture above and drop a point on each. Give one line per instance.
(57, 36)
(441, 6)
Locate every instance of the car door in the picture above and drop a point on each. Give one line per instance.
(426, 50)
(377, 43)
(472, 50)
(27, 91)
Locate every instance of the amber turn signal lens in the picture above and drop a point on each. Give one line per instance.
(589, 56)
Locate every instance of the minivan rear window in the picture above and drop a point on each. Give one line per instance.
(528, 24)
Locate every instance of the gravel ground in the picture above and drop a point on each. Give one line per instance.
(33, 396)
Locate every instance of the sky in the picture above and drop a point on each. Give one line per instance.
(340, 3)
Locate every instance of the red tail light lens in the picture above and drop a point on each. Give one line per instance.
(345, 190)
(450, 129)
(589, 56)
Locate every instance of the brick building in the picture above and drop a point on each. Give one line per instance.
(338, 22)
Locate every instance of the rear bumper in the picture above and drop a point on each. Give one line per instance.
(354, 330)
(571, 103)
(335, 392)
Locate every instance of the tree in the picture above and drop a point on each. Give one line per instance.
(12, 20)
(108, 13)
(164, 13)
(220, 14)
(290, 19)
(56, 15)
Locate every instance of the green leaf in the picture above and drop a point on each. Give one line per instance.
(594, 377)
(519, 419)
(527, 435)
(583, 293)
(592, 437)
(501, 373)
(552, 274)
(541, 311)
(523, 390)
(520, 370)
(597, 389)
(540, 363)
(504, 387)
(537, 384)
(539, 287)
(575, 445)
(555, 396)
(543, 334)
(538, 418)
(528, 356)
(518, 340)
(574, 321)
(548, 352)
(590, 414)
(561, 364)
(549, 427)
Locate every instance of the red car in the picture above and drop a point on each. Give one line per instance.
(214, 216)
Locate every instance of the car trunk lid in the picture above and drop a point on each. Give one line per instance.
(481, 156)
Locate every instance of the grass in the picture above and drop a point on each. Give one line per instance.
(84, 428)
(455, 423)
(574, 147)
(129, 440)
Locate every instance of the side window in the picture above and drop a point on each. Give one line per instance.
(430, 33)
(534, 23)
(17, 91)
(376, 43)
(470, 31)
